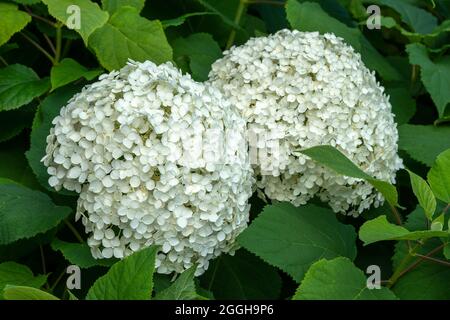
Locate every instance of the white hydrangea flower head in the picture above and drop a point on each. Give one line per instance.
(158, 159)
(303, 89)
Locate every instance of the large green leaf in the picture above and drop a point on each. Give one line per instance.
(420, 21)
(13, 273)
(423, 193)
(294, 238)
(25, 213)
(200, 50)
(91, 16)
(424, 143)
(439, 176)
(19, 85)
(45, 114)
(435, 75)
(79, 254)
(12, 21)
(429, 281)
(129, 36)
(129, 279)
(69, 70)
(182, 289)
(380, 229)
(338, 279)
(337, 161)
(241, 276)
(308, 16)
(114, 5)
(26, 293)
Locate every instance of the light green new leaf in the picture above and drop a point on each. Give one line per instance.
(182, 289)
(380, 229)
(294, 238)
(19, 85)
(335, 160)
(129, 36)
(308, 16)
(200, 50)
(128, 279)
(91, 17)
(338, 279)
(447, 251)
(12, 273)
(424, 143)
(242, 276)
(12, 21)
(25, 213)
(69, 70)
(114, 5)
(26, 293)
(435, 75)
(45, 114)
(424, 194)
(439, 176)
(79, 254)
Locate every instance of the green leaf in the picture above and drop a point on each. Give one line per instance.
(128, 279)
(45, 114)
(242, 276)
(79, 254)
(91, 16)
(403, 105)
(200, 50)
(114, 5)
(439, 177)
(379, 229)
(19, 85)
(294, 238)
(12, 21)
(308, 16)
(447, 251)
(423, 143)
(338, 279)
(332, 158)
(25, 213)
(182, 19)
(424, 194)
(182, 289)
(13, 273)
(26, 293)
(69, 70)
(129, 36)
(419, 20)
(435, 75)
(27, 2)
(429, 281)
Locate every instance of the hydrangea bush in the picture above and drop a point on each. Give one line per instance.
(208, 151)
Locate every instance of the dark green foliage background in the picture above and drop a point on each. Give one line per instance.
(287, 252)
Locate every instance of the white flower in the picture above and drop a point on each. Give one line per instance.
(302, 89)
(137, 146)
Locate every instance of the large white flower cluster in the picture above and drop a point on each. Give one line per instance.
(157, 159)
(302, 89)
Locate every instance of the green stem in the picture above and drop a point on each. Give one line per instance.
(439, 261)
(44, 267)
(74, 231)
(50, 43)
(34, 43)
(237, 19)
(58, 43)
(3, 61)
(66, 48)
(57, 280)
